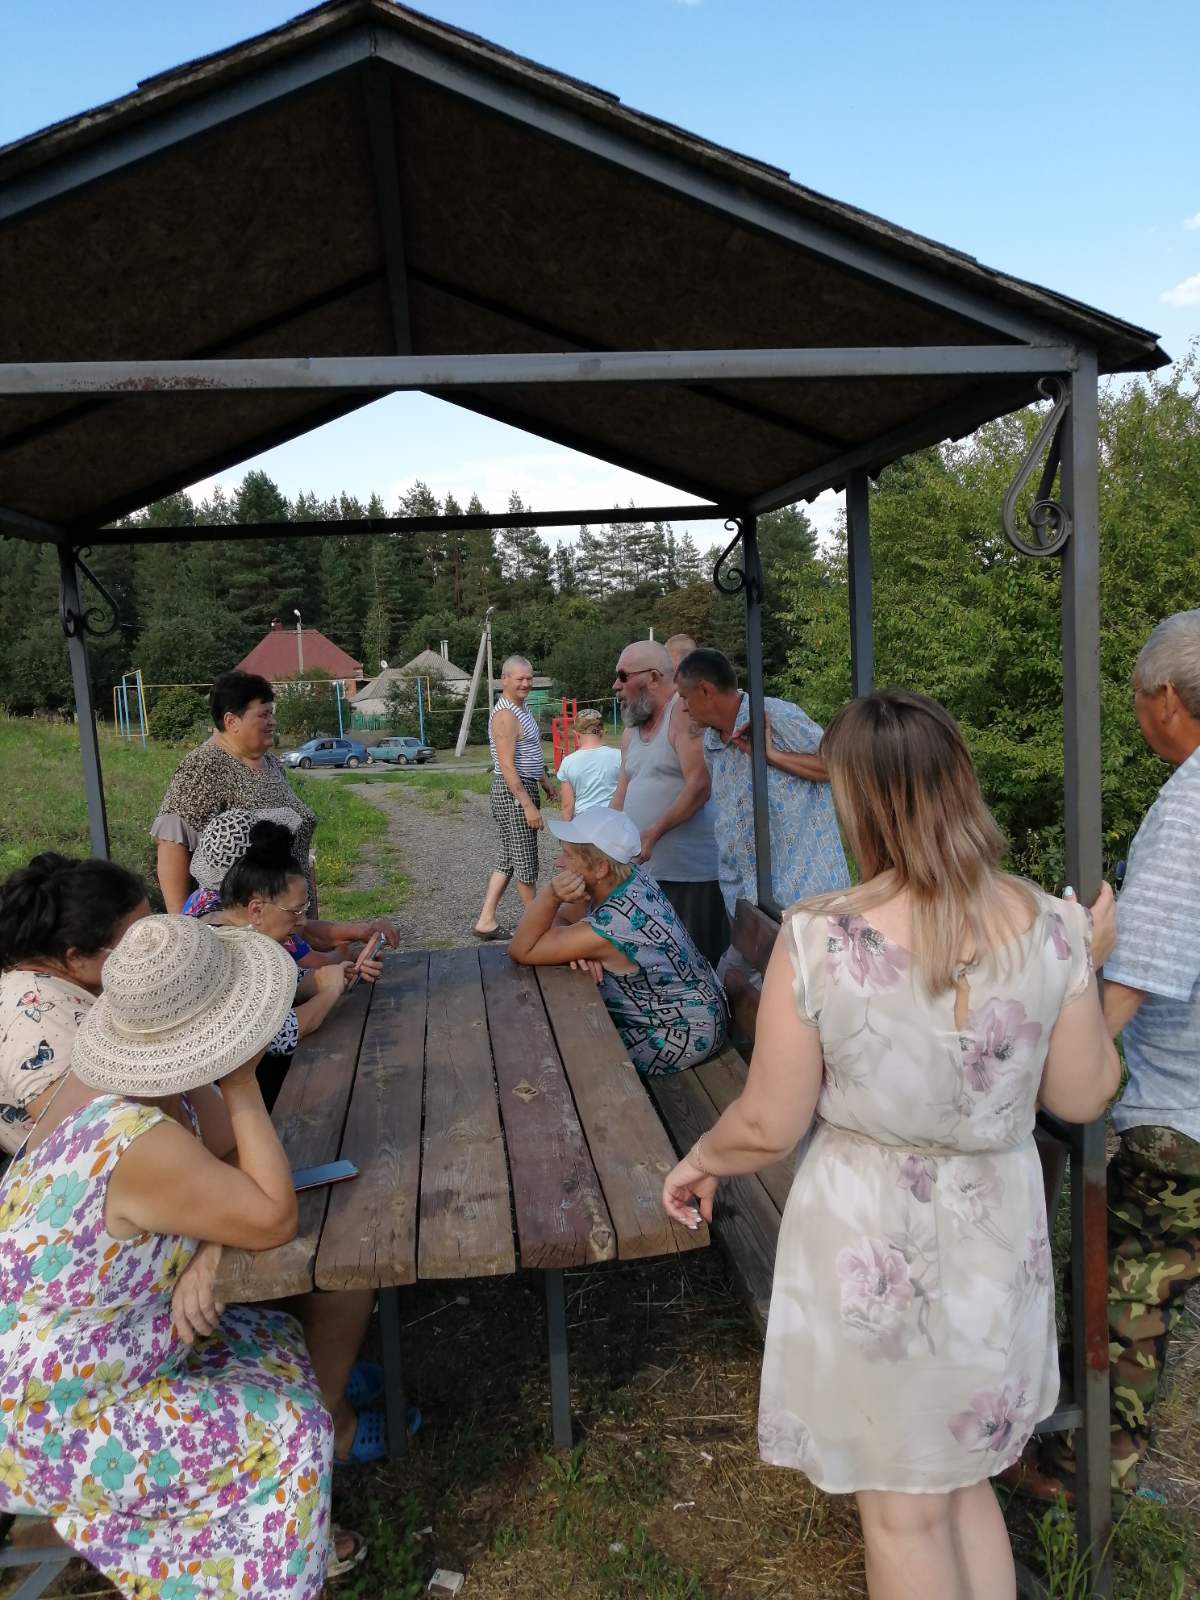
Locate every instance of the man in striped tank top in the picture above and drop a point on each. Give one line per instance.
(518, 776)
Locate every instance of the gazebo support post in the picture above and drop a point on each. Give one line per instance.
(858, 561)
(74, 624)
(752, 589)
(1081, 750)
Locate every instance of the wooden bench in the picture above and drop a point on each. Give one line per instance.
(748, 1210)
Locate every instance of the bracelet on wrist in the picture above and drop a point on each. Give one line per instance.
(696, 1158)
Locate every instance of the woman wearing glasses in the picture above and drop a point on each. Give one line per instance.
(265, 889)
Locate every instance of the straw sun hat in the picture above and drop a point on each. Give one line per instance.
(226, 840)
(182, 1005)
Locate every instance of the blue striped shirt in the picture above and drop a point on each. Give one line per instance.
(530, 761)
(1158, 951)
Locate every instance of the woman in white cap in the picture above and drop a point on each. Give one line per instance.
(601, 909)
(170, 1467)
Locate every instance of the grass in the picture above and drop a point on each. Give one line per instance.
(44, 809)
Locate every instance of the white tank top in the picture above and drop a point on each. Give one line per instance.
(688, 853)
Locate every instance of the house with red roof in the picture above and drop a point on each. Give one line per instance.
(291, 652)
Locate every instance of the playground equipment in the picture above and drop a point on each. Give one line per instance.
(131, 682)
(564, 732)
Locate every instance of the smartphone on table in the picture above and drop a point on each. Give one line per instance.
(372, 950)
(329, 1172)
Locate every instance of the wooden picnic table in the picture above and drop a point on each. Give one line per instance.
(497, 1125)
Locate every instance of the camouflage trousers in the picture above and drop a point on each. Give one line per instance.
(1153, 1260)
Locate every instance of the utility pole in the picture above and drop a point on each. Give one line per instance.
(299, 643)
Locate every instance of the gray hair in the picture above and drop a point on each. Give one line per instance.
(509, 662)
(1172, 655)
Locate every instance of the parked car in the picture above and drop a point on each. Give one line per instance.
(328, 753)
(402, 749)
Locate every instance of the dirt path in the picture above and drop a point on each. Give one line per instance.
(445, 849)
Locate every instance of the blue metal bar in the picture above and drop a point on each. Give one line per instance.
(560, 1378)
(394, 1402)
(858, 532)
(753, 589)
(71, 615)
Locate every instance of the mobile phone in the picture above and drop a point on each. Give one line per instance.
(376, 945)
(331, 1172)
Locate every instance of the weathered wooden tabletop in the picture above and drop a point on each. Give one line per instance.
(496, 1123)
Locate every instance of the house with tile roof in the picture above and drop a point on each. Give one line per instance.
(290, 652)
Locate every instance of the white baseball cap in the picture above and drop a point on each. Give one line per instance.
(609, 830)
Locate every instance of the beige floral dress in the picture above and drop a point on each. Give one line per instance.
(911, 1342)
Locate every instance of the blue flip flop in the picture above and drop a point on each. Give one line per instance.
(370, 1438)
(365, 1387)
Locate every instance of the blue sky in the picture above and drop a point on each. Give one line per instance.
(1053, 140)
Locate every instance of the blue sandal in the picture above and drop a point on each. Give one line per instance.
(365, 1387)
(370, 1438)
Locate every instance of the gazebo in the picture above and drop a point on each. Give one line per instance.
(366, 200)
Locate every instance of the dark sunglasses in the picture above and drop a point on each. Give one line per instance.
(623, 677)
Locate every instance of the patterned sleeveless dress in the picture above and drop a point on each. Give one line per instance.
(177, 1472)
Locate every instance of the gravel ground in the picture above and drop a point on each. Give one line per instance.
(446, 852)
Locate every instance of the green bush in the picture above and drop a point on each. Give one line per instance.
(179, 714)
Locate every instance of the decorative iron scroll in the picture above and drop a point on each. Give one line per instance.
(733, 580)
(91, 619)
(1048, 518)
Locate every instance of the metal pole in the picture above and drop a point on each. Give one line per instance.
(560, 1378)
(299, 643)
(1084, 849)
(337, 695)
(394, 1404)
(142, 718)
(862, 615)
(71, 615)
(420, 712)
(752, 568)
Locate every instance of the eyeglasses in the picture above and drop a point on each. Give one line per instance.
(297, 913)
(623, 677)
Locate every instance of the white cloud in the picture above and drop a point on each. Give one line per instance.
(1186, 293)
(1192, 223)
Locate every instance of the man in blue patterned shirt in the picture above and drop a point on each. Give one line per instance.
(806, 846)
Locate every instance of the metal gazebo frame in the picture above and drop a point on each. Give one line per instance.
(398, 111)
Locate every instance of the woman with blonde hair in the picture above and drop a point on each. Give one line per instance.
(916, 1021)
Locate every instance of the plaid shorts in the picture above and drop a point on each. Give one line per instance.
(516, 841)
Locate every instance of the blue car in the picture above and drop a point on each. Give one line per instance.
(328, 753)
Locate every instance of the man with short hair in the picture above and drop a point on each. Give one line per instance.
(1152, 998)
(518, 772)
(678, 646)
(806, 846)
(664, 788)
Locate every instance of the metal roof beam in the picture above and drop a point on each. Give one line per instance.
(436, 372)
(952, 420)
(23, 526)
(690, 180)
(140, 140)
(385, 170)
(358, 527)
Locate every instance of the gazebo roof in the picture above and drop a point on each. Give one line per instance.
(365, 180)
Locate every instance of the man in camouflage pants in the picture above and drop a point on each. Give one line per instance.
(1152, 998)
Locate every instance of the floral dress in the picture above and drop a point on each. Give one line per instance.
(911, 1340)
(176, 1472)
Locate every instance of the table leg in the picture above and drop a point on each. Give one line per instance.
(560, 1378)
(395, 1405)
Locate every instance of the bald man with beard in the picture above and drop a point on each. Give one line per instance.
(663, 788)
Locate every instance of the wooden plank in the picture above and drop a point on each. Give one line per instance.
(309, 1117)
(631, 1152)
(562, 1220)
(370, 1236)
(754, 934)
(745, 1218)
(465, 1228)
(724, 1078)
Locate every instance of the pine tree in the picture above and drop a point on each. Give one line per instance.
(377, 636)
(565, 579)
(591, 572)
(689, 568)
(482, 576)
(525, 559)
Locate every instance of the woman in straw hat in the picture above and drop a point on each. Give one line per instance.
(175, 1469)
(919, 1018)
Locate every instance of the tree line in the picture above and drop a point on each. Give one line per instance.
(958, 613)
